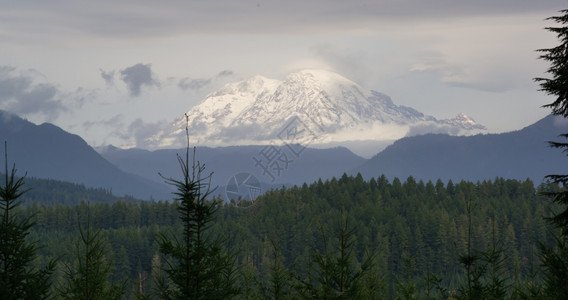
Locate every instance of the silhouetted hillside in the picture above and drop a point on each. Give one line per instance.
(47, 151)
(514, 155)
(226, 162)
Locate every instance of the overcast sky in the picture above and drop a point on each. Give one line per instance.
(114, 71)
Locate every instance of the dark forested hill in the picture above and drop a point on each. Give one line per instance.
(514, 155)
(54, 192)
(47, 151)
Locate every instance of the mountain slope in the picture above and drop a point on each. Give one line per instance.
(226, 162)
(324, 106)
(514, 155)
(47, 151)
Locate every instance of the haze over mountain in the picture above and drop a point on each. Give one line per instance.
(310, 107)
(47, 151)
(518, 154)
(226, 162)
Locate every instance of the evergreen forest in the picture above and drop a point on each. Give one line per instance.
(399, 239)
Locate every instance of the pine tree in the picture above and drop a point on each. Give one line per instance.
(88, 277)
(18, 280)
(557, 86)
(335, 272)
(555, 262)
(197, 267)
(278, 285)
(555, 259)
(471, 261)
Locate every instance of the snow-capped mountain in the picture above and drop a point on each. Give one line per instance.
(309, 107)
(463, 121)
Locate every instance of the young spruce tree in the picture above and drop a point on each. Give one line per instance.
(88, 277)
(18, 279)
(334, 271)
(197, 267)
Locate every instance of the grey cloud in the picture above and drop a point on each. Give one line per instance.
(141, 131)
(493, 80)
(115, 127)
(108, 77)
(242, 133)
(196, 84)
(21, 95)
(153, 18)
(137, 129)
(116, 122)
(193, 84)
(82, 96)
(225, 73)
(6, 117)
(137, 76)
(12, 87)
(493, 87)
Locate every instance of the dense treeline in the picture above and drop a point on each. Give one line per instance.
(53, 192)
(415, 231)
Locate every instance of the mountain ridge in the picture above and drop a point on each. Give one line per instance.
(518, 154)
(47, 151)
(226, 162)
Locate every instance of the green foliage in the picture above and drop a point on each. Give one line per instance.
(555, 258)
(334, 272)
(88, 277)
(278, 285)
(485, 269)
(555, 264)
(558, 58)
(433, 288)
(424, 221)
(558, 87)
(405, 286)
(18, 278)
(54, 192)
(197, 267)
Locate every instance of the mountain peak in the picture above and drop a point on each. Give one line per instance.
(465, 121)
(332, 108)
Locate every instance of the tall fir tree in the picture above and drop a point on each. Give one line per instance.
(18, 279)
(197, 266)
(277, 285)
(555, 259)
(557, 86)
